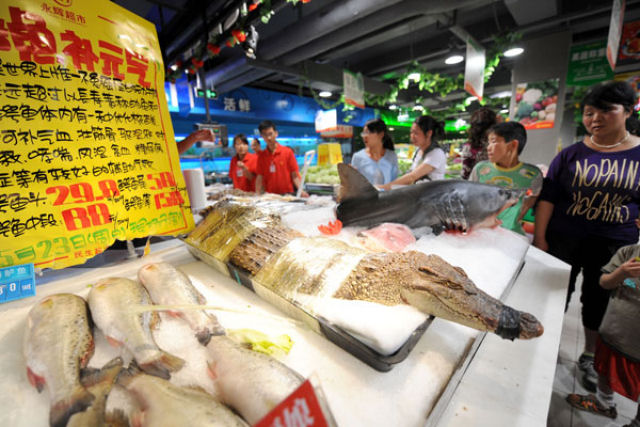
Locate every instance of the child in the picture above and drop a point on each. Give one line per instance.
(506, 142)
(617, 358)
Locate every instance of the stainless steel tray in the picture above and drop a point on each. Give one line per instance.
(332, 332)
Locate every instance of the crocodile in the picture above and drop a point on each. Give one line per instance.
(287, 262)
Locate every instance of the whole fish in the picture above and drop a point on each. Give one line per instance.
(441, 205)
(161, 403)
(251, 383)
(167, 285)
(57, 344)
(115, 306)
(99, 382)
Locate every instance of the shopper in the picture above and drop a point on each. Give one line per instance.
(504, 168)
(589, 202)
(378, 161)
(193, 137)
(617, 359)
(255, 146)
(277, 170)
(429, 160)
(242, 169)
(475, 149)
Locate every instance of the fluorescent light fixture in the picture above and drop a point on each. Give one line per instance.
(502, 94)
(392, 129)
(414, 76)
(514, 51)
(505, 111)
(393, 107)
(325, 94)
(459, 123)
(454, 59)
(418, 107)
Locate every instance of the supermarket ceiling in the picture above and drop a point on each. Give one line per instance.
(313, 42)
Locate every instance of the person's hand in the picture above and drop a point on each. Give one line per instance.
(631, 268)
(304, 194)
(385, 187)
(203, 135)
(541, 244)
(241, 164)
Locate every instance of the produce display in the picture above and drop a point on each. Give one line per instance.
(59, 342)
(325, 174)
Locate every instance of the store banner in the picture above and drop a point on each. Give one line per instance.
(630, 44)
(615, 31)
(536, 104)
(88, 153)
(474, 69)
(588, 64)
(353, 88)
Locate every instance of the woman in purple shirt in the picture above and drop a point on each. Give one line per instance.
(589, 202)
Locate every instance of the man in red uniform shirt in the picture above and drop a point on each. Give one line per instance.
(277, 167)
(243, 165)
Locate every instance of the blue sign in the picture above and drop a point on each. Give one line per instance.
(255, 105)
(17, 281)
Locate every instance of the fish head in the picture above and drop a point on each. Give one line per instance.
(483, 204)
(152, 271)
(442, 290)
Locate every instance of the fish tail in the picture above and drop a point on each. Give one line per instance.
(213, 329)
(126, 375)
(163, 365)
(107, 374)
(116, 418)
(62, 410)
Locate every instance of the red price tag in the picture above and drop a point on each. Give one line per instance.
(300, 409)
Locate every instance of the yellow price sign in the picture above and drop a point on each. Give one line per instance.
(87, 148)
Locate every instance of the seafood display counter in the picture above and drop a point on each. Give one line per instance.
(490, 380)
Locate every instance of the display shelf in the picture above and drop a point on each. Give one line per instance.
(504, 382)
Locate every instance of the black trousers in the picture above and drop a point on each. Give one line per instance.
(587, 254)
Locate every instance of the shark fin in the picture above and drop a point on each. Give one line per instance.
(353, 184)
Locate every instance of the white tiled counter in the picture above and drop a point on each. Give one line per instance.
(505, 383)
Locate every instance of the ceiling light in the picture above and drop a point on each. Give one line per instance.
(418, 107)
(502, 94)
(392, 129)
(414, 76)
(325, 94)
(460, 123)
(454, 59)
(505, 111)
(393, 107)
(514, 51)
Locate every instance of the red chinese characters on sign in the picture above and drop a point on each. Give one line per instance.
(32, 39)
(111, 63)
(79, 50)
(36, 43)
(300, 409)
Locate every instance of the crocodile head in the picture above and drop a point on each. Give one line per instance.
(440, 289)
